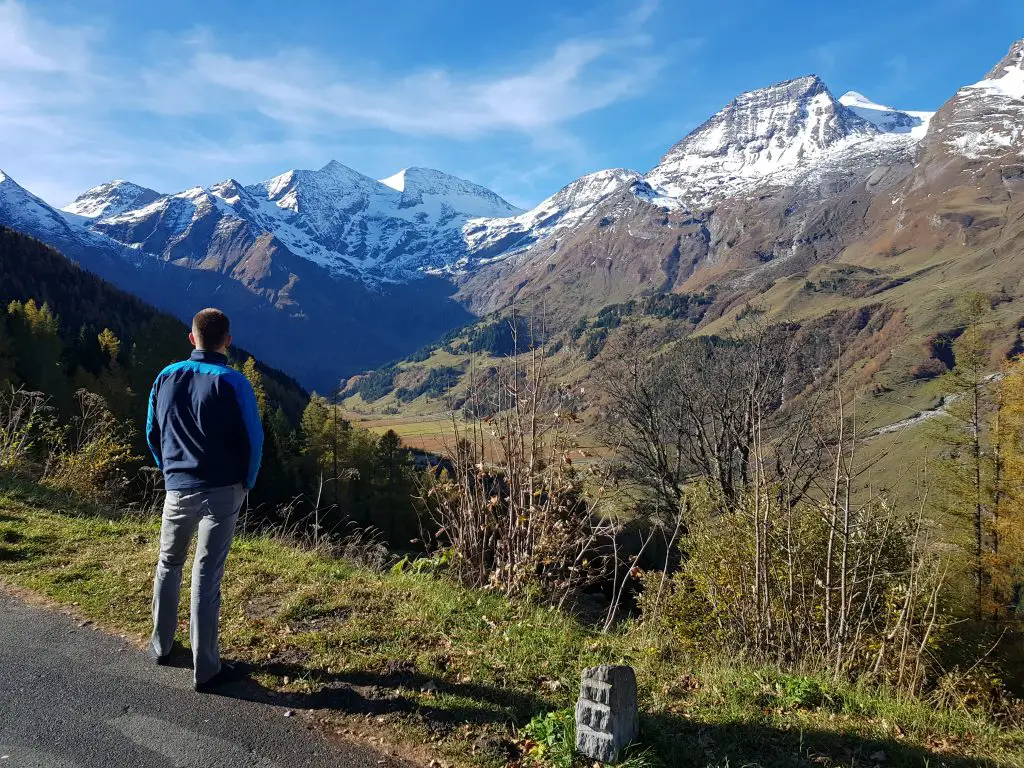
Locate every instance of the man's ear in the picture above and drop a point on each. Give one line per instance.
(192, 340)
(227, 343)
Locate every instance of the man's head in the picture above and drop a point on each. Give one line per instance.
(211, 331)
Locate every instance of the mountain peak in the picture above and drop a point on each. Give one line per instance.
(982, 121)
(334, 186)
(110, 199)
(419, 176)
(809, 82)
(857, 99)
(1006, 79)
(781, 127)
(416, 177)
(599, 183)
(338, 169)
(1014, 60)
(21, 210)
(230, 191)
(767, 120)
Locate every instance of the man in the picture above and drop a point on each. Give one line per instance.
(205, 433)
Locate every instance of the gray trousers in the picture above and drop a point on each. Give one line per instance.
(214, 512)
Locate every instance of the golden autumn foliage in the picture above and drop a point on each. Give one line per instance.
(1005, 561)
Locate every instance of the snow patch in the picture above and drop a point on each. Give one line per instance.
(1010, 85)
(396, 182)
(885, 118)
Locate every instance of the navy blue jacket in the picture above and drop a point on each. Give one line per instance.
(204, 425)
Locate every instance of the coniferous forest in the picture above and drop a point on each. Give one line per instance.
(80, 355)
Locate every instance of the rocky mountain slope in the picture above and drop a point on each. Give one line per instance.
(780, 178)
(335, 217)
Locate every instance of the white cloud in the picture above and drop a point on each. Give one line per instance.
(32, 45)
(303, 90)
(643, 11)
(73, 114)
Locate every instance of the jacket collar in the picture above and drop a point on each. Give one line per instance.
(206, 356)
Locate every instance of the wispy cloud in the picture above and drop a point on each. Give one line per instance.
(30, 45)
(643, 11)
(303, 89)
(67, 103)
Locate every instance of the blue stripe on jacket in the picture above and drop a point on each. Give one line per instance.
(203, 425)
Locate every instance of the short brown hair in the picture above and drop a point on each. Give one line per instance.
(211, 328)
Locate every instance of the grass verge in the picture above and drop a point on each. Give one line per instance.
(447, 673)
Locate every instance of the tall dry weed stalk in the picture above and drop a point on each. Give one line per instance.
(512, 508)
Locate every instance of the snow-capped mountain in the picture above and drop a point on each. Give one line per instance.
(781, 178)
(110, 199)
(440, 195)
(772, 134)
(335, 217)
(792, 133)
(21, 210)
(986, 119)
(199, 248)
(424, 221)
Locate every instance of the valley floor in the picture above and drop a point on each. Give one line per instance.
(427, 670)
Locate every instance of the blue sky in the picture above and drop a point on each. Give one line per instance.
(522, 97)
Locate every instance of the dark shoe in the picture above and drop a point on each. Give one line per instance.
(229, 673)
(161, 661)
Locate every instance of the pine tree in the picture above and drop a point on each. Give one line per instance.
(393, 489)
(114, 383)
(38, 351)
(256, 380)
(316, 418)
(965, 471)
(389, 457)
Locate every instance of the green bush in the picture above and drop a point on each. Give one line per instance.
(551, 739)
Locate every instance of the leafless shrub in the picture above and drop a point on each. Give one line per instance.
(298, 525)
(148, 497)
(512, 511)
(697, 409)
(798, 563)
(26, 423)
(89, 456)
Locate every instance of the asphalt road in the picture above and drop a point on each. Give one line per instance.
(72, 697)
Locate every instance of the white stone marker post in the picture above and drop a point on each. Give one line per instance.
(607, 718)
